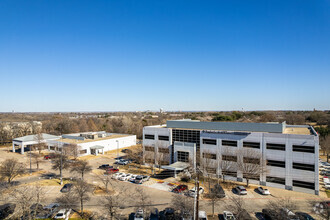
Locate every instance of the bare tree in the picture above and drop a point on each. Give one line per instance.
(10, 169)
(41, 145)
(149, 158)
(37, 158)
(136, 154)
(27, 200)
(60, 162)
(106, 180)
(72, 150)
(251, 163)
(81, 167)
(321, 209)
(68, 200)
(185, 204)
(325, 145)
(236, 206)
(82, 189)
(209, 164)
(111, 205)
(143, 200)
(280, 206)
(214, 199)
(227, 164)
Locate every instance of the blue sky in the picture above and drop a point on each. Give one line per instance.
(77, 55)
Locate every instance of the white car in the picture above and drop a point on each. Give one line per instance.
(124, 177)
(263, 191)
(192, 192)
(63, 214)
(116, 175)
(132, 178)
(228, 215)
(139, 215)
(202, 215)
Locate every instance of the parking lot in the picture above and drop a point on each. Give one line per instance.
(158, 190)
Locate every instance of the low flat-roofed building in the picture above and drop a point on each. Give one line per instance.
(87, 142)
(290, 151)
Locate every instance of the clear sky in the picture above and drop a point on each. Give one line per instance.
(127, 55)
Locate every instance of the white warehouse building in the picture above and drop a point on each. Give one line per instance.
(88, 142)
(290, 152)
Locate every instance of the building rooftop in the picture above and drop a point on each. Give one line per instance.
(34, 137)
(77, 141)
(275, 127)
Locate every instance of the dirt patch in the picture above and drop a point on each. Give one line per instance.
(100, 191)
(51, 182)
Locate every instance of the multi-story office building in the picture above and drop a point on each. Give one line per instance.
(290, 152)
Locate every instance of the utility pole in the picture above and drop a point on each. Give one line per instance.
(197, 197)
(61, 164)
(30, 160)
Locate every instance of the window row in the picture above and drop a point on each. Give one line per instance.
(269, 146)
(160, 137)
(299, 166)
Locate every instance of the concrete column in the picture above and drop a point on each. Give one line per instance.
(288, 164)
(22, 149)
(14, 148)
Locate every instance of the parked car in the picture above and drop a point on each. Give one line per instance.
(202, 215)
(218, 191)
(66, 188)
(141, 179)
(126, 151)
(304, 216)
(111, 171)
(116, 176)
(263, 191)
(228, 215)
(63, 214)
(180, 189)
(132, 178)
(6, 210)
(125, 177)
(169, 214)
(139, 214)
(154, 214)
(240, 190)
(122, 162)
(50, 156)
(105, 166)
(192, 192)
(289, 214)
(269, 214)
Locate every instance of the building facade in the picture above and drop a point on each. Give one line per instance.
(289, 153)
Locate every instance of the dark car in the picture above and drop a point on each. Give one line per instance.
(154, 214)
(269, 214)
(180, 189)
(218, 191)
(303, 216)
(66, 188)
(6, 210)
(168, 214)
(105, 166)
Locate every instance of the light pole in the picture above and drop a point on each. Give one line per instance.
(117, 152)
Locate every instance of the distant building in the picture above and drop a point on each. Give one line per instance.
(89, 142)
(291, 151)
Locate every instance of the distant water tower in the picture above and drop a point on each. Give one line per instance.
(161, 110)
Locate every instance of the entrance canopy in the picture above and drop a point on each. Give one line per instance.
(96, 147)
(177, 166)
